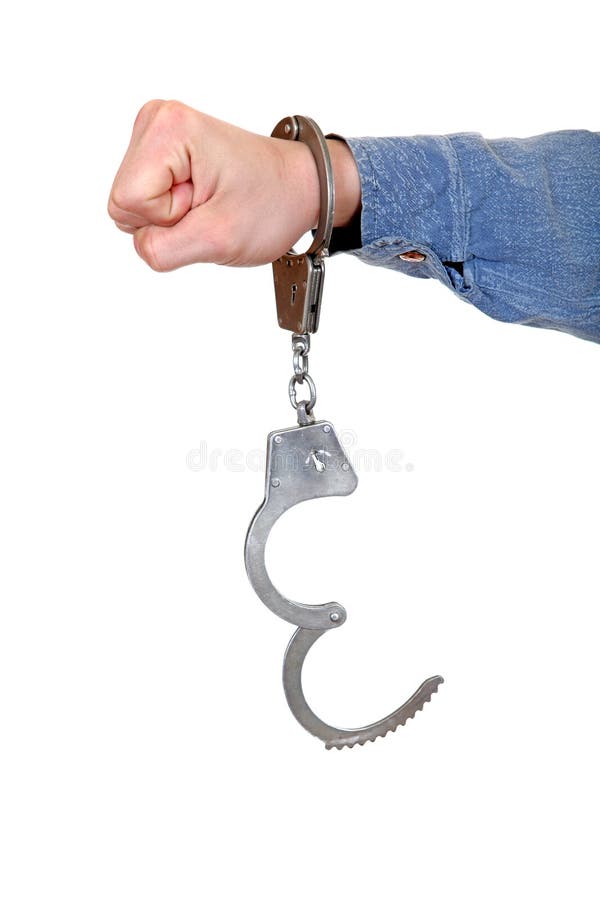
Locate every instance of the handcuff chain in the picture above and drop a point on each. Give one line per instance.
(304, 408)
(300, 348)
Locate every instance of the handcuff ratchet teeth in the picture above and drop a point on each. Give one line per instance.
(307, 461)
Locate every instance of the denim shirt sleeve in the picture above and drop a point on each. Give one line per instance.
(511, 225)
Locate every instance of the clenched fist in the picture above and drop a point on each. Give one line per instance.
(194, 189)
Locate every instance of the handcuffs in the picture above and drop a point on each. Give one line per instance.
(307, 461)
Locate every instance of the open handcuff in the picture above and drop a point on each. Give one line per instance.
(307, 461)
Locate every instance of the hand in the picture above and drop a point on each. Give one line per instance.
(194, 189)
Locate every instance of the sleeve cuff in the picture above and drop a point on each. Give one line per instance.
(411, 189)
(412, 199)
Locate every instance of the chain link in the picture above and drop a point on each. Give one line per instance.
(306, 379)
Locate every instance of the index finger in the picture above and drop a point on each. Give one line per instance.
(152, 185)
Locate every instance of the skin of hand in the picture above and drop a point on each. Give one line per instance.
(192, 188)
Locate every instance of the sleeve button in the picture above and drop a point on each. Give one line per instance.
(412, 256)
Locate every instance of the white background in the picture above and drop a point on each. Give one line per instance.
(146, 747)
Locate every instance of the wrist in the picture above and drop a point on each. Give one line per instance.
(302, 183)
(346, 180)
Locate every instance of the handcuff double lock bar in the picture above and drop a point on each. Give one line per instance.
(307, 461)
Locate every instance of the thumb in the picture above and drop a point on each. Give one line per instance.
(202, 235)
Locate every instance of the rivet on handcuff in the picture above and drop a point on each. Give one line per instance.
(308, 461)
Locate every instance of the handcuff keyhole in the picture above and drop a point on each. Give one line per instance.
(318, 463)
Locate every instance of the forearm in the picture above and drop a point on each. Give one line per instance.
(511, 225)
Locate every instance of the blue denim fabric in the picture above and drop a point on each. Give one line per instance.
(522, 215)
